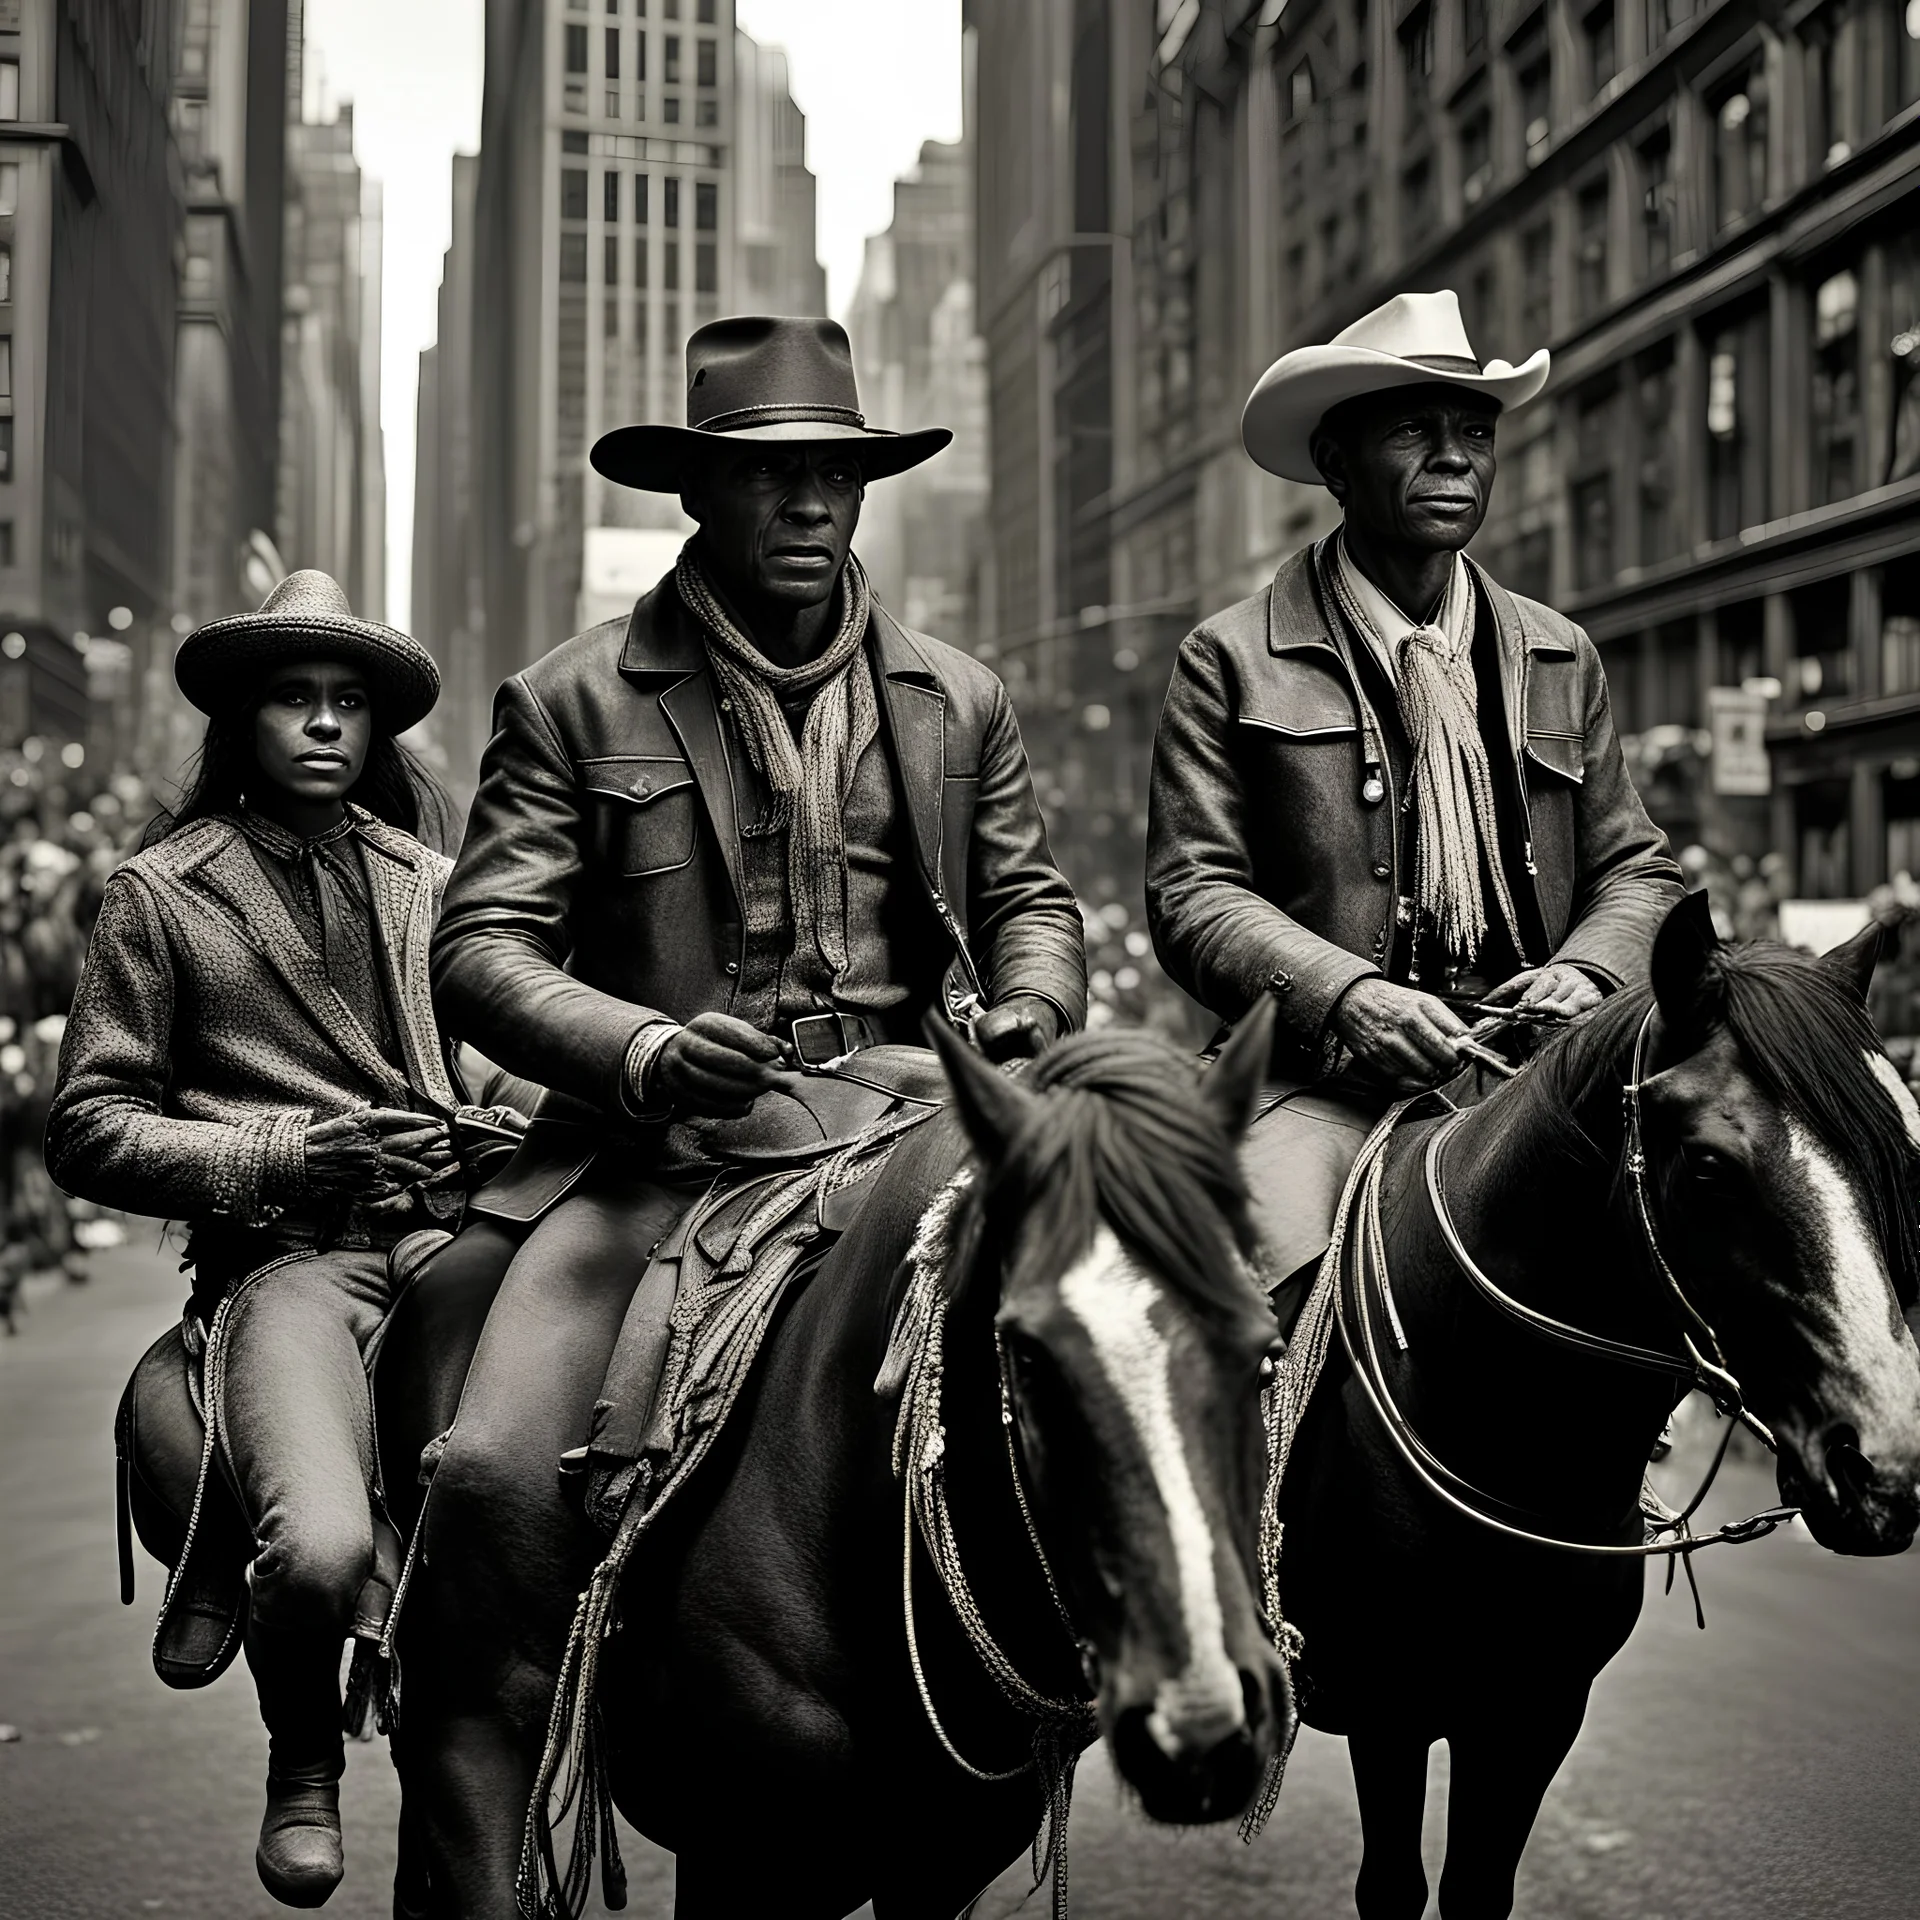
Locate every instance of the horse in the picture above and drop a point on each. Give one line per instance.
(1708, 1181)
(859, 1659)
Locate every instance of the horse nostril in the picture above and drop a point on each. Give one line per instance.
(1253, 1700)
(1852, 1472)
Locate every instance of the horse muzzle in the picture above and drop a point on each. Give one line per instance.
(1857, 1505)
(1194, 1757)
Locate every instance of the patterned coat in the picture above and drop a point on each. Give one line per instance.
(205, 1034)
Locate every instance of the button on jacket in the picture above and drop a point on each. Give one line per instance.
(600, 883)
(1270, 866)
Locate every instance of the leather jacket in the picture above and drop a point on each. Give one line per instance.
(599, 884)
(1268, 867)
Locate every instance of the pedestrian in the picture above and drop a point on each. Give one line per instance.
(755, 823)
(252, 1050)
(1384, 788)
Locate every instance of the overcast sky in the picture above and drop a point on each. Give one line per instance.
(874, 78)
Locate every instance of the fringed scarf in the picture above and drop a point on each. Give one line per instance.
(1456, 833)
(808, 781)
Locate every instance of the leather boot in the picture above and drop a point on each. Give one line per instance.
(298, 1677)
(299, 1857)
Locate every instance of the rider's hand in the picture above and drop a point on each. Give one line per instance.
(1018, 1028)
(1402, 1037)
(1557, 988)
(717, 1066)
(374, 1152)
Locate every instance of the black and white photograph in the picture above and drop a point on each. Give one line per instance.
(960, 959)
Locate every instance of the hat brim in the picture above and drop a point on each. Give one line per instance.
(219, 666)
(654, 458)
(1294, 394)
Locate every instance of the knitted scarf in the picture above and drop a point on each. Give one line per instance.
(1451, 791)
(809, 781)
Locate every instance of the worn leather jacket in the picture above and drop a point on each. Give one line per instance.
(1268, 867)
(599, 884)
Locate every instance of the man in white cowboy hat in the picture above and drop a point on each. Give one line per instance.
(1385, 789)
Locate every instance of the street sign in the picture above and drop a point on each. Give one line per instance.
(1739, 724)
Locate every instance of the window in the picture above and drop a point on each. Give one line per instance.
(1907, 43)
(670, 63)
(1736, 424)
(1473, 27)
(706, 267)
(639, 199)
(1661, 533)
(670, 201)
(576, 49)
(1479, 309)
(705, 12)
(1836, 386)
(1739, 149)
(707, 64)
(613, 53)
(640, 261)
(1590, 497)
(640, 55)
(670, 109)
(1536, 286)
(1603, 46)
(670, 266)
(1822, 649)
(1476, 154)
(1657, 201)
(6, 543)
(573, 258)
(1659, 16)
(1418, 213)
(6, 447)
(1416, 51)
(706, 111)
(706, 207)
(1533, 71)
(10, 187)
(1832, 67)
(6, 275)
(573, 193)
(1903, 316)
(1300, 91)
(1592, 208)
(610, 198)
(610, 260)
(9, 89)
(1900, 631)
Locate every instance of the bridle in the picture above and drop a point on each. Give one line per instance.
(1701, 1364)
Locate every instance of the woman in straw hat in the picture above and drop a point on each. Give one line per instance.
(252, 1050)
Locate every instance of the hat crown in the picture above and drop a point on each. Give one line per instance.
(307, 594)
(758, 369)
(1415, 326)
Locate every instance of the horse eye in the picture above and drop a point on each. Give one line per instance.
(1707, 1165)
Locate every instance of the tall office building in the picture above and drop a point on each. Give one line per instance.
(1707, 210)
(641, 172)
(88, 226)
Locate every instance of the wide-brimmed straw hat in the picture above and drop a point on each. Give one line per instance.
(1416, 338)
(306, 617)
(763, 377)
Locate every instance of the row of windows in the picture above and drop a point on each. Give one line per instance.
(573, 262)
(704, 10)
(706, 56)
(574, 196)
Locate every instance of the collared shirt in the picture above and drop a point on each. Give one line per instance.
(323, 885)
(1386, 627)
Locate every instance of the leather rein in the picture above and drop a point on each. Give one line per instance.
(1701, 1365)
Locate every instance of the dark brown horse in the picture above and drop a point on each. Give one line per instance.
(1775, 1158)
(775, 1709)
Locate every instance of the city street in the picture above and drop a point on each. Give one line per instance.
(1767, 1769)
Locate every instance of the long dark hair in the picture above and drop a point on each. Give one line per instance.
(395, 785)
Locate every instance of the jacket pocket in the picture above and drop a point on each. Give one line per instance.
(1564, 754)
(643, 814)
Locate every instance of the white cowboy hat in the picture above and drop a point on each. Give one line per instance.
(1415, 338)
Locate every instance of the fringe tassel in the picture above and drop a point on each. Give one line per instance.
(364, 1708)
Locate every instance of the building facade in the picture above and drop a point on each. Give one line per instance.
(641, 172)
(89, 221)
(1707, 211)
(921, 363)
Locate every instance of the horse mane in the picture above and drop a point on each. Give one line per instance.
(1804, 1035)
(1119, 1134)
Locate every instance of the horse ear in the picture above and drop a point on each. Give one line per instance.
(1230, 1087)
(1854, 960)
(992, 1107)
(1681, 949)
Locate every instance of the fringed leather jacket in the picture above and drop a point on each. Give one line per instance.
(205, 1033)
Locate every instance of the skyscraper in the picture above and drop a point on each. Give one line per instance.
(641, 172)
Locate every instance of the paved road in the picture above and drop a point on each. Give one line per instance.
(1768, 1769)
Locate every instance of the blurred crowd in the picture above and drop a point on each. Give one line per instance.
(63, 828)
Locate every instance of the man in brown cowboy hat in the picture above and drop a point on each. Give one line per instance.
(755, 824)
(1385, 788)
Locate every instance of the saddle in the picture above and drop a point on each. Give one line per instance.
(797, 1174)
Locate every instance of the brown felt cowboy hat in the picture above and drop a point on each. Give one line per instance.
(1415, 339)
(763, 377)
(306, 617)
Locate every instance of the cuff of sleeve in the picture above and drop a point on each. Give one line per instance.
(264, 1170)
(636, 1092)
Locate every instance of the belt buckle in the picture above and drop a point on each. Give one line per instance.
(832, 1042)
